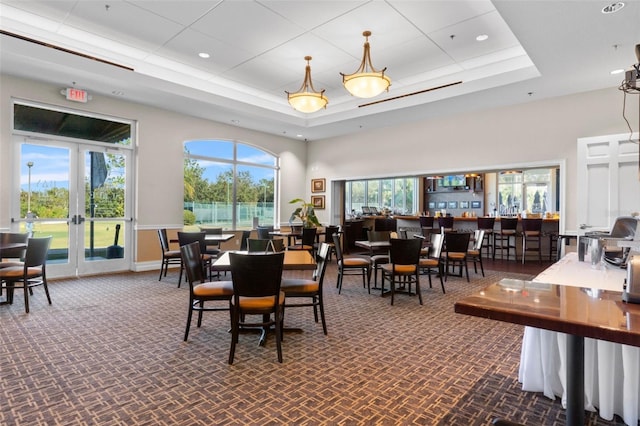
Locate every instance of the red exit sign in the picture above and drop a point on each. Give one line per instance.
(77, 95)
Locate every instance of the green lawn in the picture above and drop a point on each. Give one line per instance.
(103, 236)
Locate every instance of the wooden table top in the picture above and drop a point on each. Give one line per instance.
(294, 259)
(586, 312)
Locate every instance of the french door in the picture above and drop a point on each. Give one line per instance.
(80, 194)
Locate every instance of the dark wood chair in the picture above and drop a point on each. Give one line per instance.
(264, 232)
(256, 291)
(257, 245)
(307, 241)
(30, 274)
(378, 257)
(300, 288)
(432, 262)
(403, 268)
(212, 248)
(505, 238)
(532, 237)
(456, 246)
(351, 265)
(169, 257)
(446, 223)
(12, 256)
(199, 290)
(243, 240)
(185, 238)
(328, 238)
(474, 254)
(487, 224)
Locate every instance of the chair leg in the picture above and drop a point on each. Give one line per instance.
(339, 284)
(278, 325)
(321, 306)
(186, 331)
(46, 289)
(440, 273)
(234, 334)
(26, 296)
(418, 288)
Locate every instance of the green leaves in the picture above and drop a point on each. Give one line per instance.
(305, 213)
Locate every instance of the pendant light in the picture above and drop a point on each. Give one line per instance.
(307, 99)
(366, 82)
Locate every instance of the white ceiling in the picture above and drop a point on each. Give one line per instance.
(536, 49)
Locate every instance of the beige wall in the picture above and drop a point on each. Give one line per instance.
(537, 132)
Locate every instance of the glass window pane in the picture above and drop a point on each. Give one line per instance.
(387, 193)
(373, 189)
(254, 196)
(250, 154)
(212, 149)
(357, 195)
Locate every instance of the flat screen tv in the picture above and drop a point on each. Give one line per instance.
(453, 180)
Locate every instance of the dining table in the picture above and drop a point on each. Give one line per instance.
(574, 311)
(293, 260)
(292, 235)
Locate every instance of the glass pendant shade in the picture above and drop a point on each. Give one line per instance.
(366, 82)
(307, 99)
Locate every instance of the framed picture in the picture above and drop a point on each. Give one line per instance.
(432, 204)
(452, 205)
(318, 201)
(442, 204)
(318, 185)
(476, 204)
(464, 204)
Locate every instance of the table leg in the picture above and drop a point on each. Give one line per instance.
(575, 380)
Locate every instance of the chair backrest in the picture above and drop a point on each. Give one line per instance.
(37, 250)
(405, 251)
(338, 246)
(625, 227)
(12, 237)
(385, 224)
(243, 240)
(211, 231)
(256, 245)
(329, 231)
(478, 239)
(190, 237)
(263, 232)
(445, 222)
(486, 222)
(457, 242)
(192, 261)
(256, 275)
(508, 223)
(321, 258)
(529, 225)
(437, 242)
(277, 245)
(309, 236)
(426, 221)
(378, 235)
(164, 240)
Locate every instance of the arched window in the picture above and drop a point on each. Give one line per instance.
(229, 184)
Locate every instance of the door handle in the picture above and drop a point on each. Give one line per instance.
(77, 219)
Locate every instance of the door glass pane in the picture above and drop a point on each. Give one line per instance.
(104, 205)
(44, 196)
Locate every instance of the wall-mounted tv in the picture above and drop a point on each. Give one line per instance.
(452, 181)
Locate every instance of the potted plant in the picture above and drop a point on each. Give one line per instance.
(305, 213)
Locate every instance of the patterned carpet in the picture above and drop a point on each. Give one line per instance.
(109, 351)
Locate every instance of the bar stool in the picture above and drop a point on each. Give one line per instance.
(446, 222)
(532, 233)
(426, 224)
(502, 240)
(486, 224)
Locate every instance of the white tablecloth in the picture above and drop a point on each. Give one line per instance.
(612, 371)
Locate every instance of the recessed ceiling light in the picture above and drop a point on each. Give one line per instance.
(299, 136)
(204, 55)
(613, 7)
(482, 37)
(618, 71)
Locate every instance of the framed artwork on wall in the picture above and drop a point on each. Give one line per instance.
(452, 205)
(464, 204)
(318, 201)
(442, 204)
(318, 185)
(476, 204)
(432, 204)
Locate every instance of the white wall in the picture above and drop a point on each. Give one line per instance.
(159, 167)
(536, 132)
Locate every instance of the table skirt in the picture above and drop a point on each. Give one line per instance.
(612, 373)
